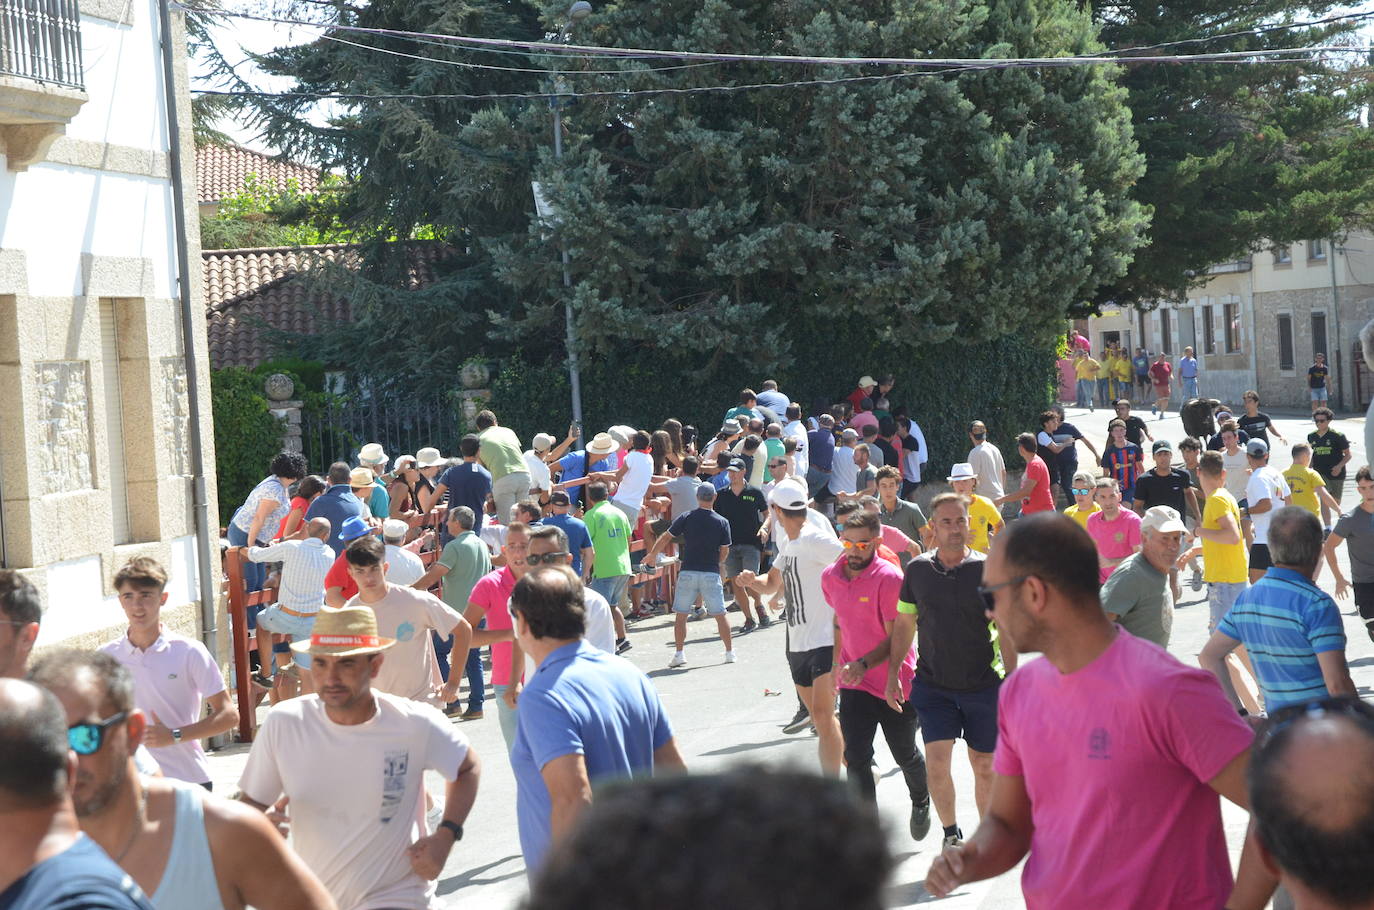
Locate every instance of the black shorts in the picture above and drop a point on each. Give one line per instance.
(808, 666)
(944, 714)
(1259, 556)
(1364, 599)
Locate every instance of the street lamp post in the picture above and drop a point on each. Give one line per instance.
(577, 12)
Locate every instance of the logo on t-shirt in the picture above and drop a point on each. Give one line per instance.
(1099, 744)
(394, 768)
(405, 631)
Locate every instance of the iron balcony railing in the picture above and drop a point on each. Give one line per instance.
(41, 39)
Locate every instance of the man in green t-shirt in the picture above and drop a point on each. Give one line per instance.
(464, 560)
(610, 532)
(500, 453)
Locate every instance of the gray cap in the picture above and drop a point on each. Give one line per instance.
(705, 492)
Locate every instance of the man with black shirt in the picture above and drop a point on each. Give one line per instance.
(1330, 452)
(1255, 423)
(1068, 457)
(743, 507)
(1319, 382)
(1135, 427)
(1049, 450)
(1166, 485)
(703, 540)
(887, 429)
(959, 664)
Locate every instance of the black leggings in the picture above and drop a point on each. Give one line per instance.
(860, 716)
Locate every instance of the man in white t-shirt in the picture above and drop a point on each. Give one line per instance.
(403, 566)
(987, 462)
(844, 474)
(351, 762)
(795, 429)
(548, 546)
(803, 553)
(1265, 493)
(408, 615)
(633, 478)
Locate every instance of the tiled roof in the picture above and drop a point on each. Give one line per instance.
(222, 169)
(250, 293)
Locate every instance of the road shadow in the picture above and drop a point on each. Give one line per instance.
(470, 877)
(749, 747)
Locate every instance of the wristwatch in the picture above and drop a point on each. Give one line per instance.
(453, 828)
(176, 735)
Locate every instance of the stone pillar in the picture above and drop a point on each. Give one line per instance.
(474, 375)
(279, 389)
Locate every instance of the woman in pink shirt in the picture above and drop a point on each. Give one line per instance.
(1115, 530)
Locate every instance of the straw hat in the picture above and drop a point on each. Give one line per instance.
(601, 444)
(429, 457)
(372, 453)
(360, 477)
(343, 632)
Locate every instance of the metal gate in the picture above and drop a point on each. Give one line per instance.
(401, 420)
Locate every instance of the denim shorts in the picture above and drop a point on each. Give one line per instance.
(1221, 595)
(275, 619)
(743, 557)
(691, 584)
(612, 588)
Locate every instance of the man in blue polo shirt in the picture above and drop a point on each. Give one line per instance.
(584, 716)
(1290, 627)
(579, 541)
(573, 466)
(338, 504)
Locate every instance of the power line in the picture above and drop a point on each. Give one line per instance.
(608, 51)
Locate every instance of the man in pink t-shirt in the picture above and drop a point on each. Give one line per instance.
(1110, 752)
(1115, 530)
(863, 593)
(490, 600)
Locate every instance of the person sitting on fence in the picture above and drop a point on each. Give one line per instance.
(305, 564)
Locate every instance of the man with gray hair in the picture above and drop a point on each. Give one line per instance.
(403, 565)
(1290, 627)
(1137, 594)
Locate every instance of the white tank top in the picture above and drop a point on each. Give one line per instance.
(189, 879)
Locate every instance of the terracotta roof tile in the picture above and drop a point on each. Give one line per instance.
(222, 169)
(250, 293)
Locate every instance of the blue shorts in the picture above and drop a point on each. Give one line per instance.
(691, 584)
(612, 588)
(275, 619)
(944, 714)
(1318, 394)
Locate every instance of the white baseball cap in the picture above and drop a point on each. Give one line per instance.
(788, 494)
(1162, 519)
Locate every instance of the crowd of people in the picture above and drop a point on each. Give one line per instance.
(899, 616)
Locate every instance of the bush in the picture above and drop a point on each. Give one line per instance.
(247, 436)
(1005, 383)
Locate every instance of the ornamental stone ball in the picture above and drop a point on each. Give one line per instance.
(279, 387)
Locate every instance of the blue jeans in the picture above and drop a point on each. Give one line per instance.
(254, 573)
(506, 715)
(1104, 392)
(612, 588)
(1085, 393)
(1189, 388)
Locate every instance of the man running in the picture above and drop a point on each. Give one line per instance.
(1356, 529)
(1265, 493)
(1137, 735)
(804, 552)
(1330, 454)
(703, 538)
(181, 845)
(350, 761)
(864, 592)
(1035, 494)
(490, 600)
(962, 659)
(744, 508)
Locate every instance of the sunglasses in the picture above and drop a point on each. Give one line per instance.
(777, 464)
(1339, 705)
(860, 545)
(1085, 491)
(987, 591)
(86, 739)
(544, 559)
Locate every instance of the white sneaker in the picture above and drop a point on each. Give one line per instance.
(679, 660)
(729, 657)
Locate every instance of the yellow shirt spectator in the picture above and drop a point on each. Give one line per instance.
(1222, 562)
(1122, 370)
(1086, 368)
(1304, 482)
(1082, 515)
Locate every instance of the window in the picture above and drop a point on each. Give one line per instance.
(1166, 337)
(1285, 341)
(1230, 313)
(1283, 255)
(1209, 335)
(1316, 249)
(1319, 336)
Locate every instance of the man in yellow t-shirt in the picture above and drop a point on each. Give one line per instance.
(1309, 489)
(984, 520)
(1122, 372)
(1085, 370)
(1081, 488)
(1224, 565)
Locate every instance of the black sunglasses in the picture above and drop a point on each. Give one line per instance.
(86, 739)
(987, 591)
(544, 559)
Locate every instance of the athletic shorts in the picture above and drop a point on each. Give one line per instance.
(706, 585)
(971, 716)
(1259, 556)
(808, 666)
(743, 557)
(1364, 599)
(1335, 485)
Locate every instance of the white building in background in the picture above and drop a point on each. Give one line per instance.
(96, 456)
(1257, 322)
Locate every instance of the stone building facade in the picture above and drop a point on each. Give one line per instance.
(95, 423)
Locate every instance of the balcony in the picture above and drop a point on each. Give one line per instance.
(41, 78)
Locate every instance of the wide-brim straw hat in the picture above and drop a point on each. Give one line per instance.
(343, 633)
(601, 444)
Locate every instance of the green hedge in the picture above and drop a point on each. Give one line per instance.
(247, 436)
(1006, 383)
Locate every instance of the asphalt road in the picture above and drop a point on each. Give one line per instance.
(726, 715)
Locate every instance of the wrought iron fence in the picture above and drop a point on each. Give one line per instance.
(41, 39)
(401, 421)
